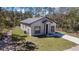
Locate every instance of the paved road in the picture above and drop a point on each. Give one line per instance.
(71, 38)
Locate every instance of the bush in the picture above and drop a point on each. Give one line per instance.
(29, 46)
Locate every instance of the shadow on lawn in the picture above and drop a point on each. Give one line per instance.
(41, 36)
(54, 34)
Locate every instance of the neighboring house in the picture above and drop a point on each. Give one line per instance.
(38, 26)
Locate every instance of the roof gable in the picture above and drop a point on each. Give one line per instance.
(33, 20)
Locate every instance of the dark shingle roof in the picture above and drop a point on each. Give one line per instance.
(30, 20)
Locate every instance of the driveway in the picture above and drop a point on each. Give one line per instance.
(73, 49)
(71, 38)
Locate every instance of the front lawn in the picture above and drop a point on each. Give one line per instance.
(46, 43)
(18, 31)
(50, 43)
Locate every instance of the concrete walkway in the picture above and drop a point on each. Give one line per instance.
(73, 49)
(71, 38)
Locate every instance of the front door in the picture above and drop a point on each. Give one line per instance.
(46, 28)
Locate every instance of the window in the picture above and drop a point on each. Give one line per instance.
(37, 29)
(52, 29)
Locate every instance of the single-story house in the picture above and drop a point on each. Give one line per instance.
(38, 26)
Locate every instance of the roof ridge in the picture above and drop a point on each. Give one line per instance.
(31, 20)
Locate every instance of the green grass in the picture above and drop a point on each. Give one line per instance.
(46, 43)
(50, 43)
(18, 31)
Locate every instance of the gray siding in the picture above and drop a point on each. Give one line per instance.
(52, 24)
(26, 28)
(31, 31)
(38, 23)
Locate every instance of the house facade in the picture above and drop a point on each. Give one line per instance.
(38, 26)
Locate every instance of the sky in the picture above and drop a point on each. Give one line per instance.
(40, 3)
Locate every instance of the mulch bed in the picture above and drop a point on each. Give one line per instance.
(7, 44)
